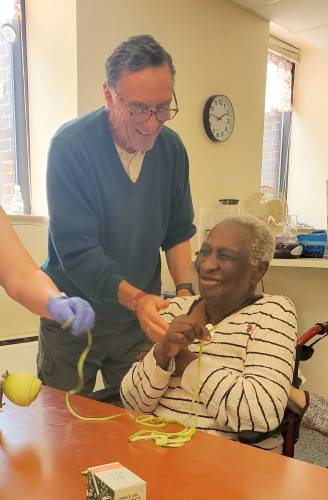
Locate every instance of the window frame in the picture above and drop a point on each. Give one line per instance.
(285, 134)
(20, 123)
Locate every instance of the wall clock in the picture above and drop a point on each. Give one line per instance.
(218, 118)
(8, 33)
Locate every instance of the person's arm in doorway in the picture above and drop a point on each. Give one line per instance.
(20, 276)
(25, 283)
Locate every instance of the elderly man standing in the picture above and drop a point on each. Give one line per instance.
(118, 191)
(247, 367)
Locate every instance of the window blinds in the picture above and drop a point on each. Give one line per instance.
(284, 49)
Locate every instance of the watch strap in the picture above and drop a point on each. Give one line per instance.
(185, 286)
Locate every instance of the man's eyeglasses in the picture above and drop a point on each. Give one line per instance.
(142, 114)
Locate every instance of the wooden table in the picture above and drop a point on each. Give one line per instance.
(43, 450)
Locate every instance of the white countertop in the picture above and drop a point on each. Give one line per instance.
(318, 263)
(298, 262)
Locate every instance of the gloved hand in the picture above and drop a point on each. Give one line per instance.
(72, 312)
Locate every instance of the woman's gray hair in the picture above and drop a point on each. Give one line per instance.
(136, 53)
(262, 242)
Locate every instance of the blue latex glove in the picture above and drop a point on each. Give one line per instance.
(72, 312)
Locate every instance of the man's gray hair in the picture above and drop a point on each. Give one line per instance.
(136, 53)
(262, 242)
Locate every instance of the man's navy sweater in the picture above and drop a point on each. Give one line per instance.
(104, 228)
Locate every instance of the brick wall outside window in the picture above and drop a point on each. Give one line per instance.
(271, 149)
(7, 153)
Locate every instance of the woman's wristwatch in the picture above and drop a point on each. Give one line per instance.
(185, 286)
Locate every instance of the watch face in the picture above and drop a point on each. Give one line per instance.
(219, 118)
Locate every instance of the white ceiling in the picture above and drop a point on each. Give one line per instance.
(297, 21)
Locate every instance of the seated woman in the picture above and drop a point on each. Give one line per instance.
(247, 367)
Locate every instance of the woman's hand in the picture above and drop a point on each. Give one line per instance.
(182, 332)
(182, 360)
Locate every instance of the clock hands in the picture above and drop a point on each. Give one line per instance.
(219, 117)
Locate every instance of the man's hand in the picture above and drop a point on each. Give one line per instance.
(181, 332)
(150, 321)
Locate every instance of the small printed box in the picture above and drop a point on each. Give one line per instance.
(114, 482)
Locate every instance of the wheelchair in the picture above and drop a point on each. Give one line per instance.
(289, 427)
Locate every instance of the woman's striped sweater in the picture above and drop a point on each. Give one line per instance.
(246, 372)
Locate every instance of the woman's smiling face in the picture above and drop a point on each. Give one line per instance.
(225, 274)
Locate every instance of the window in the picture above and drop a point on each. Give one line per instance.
(14, 158)
(277, 122)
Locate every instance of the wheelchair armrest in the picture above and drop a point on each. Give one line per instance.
(293, 410)
(298, 404)
(255, 437)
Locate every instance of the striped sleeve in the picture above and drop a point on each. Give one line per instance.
(256, 398)
(144, 384)
(177, 307)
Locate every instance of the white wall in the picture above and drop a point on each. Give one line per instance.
(216, 48)
(52, 82)
(308, 149)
